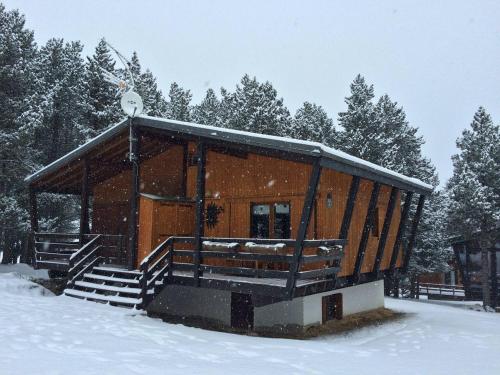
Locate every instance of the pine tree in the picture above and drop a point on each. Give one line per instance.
(254, 107)
(431, 252)
(398, 146)
(474, 188)
(103, 107)
(17, 53)
(359, 136)
(62, 99)
(312, 123)
(208, 111)
(146, 86)
(58, 108)
(178, 106)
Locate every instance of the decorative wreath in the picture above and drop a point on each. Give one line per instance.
(212, 214)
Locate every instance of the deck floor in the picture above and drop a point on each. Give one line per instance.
(243, 279)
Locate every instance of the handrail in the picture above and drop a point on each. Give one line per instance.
(152, 271)
(81, 259)
(156, 251)
(83, 249)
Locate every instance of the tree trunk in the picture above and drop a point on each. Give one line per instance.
(485, 276)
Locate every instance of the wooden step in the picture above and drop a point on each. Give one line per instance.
(128, 301)
(107, 288)
(111, 279)
(118, 272)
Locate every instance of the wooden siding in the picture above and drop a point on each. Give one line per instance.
(160, 219)
(161, 175)
(234, 182)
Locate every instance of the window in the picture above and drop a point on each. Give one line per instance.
(260, 221)
(281, 220)
(270, 220)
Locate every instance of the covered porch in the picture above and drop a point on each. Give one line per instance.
(136, 215)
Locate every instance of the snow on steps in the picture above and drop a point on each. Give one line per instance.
(110, 278)
(117, 271)
(103, 298)
(116, 286)
(108, 288)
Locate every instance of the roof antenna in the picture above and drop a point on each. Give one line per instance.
(131, 102)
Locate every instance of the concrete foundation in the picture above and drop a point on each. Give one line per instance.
(215, 306)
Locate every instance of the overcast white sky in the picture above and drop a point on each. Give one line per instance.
(439, 59)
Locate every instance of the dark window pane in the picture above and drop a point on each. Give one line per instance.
(260, 221)
(282, 220)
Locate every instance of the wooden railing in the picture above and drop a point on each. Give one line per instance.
(154, 268)
(442, 291)
(84, 259)
(159, 266)
(54, 250)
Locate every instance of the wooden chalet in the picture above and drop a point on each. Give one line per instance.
(240, 228)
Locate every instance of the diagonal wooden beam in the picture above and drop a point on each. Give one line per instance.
(199, 229)
(349, 208)
(366, 230)
(401, 230)
(304, 223)
(413, 233)
(385, 229)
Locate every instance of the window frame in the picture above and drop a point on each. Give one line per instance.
(272, 215)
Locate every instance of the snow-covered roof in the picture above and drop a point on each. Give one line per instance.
(333, 158)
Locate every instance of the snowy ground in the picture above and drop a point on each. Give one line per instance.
(44, 334)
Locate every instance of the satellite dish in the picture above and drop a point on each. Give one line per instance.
(131, 103)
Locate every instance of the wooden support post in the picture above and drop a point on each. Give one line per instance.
(366, 230)
(390, 273)
(200, 209)
(84, 203)
(134, 194)
(185, 155)
(401, 230)
(302, 231)
(466, 275)
(385, 230)
(413, 233)
(494, 277)
(349, 208)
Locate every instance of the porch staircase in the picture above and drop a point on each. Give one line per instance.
(91, 277)
(111, 285)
